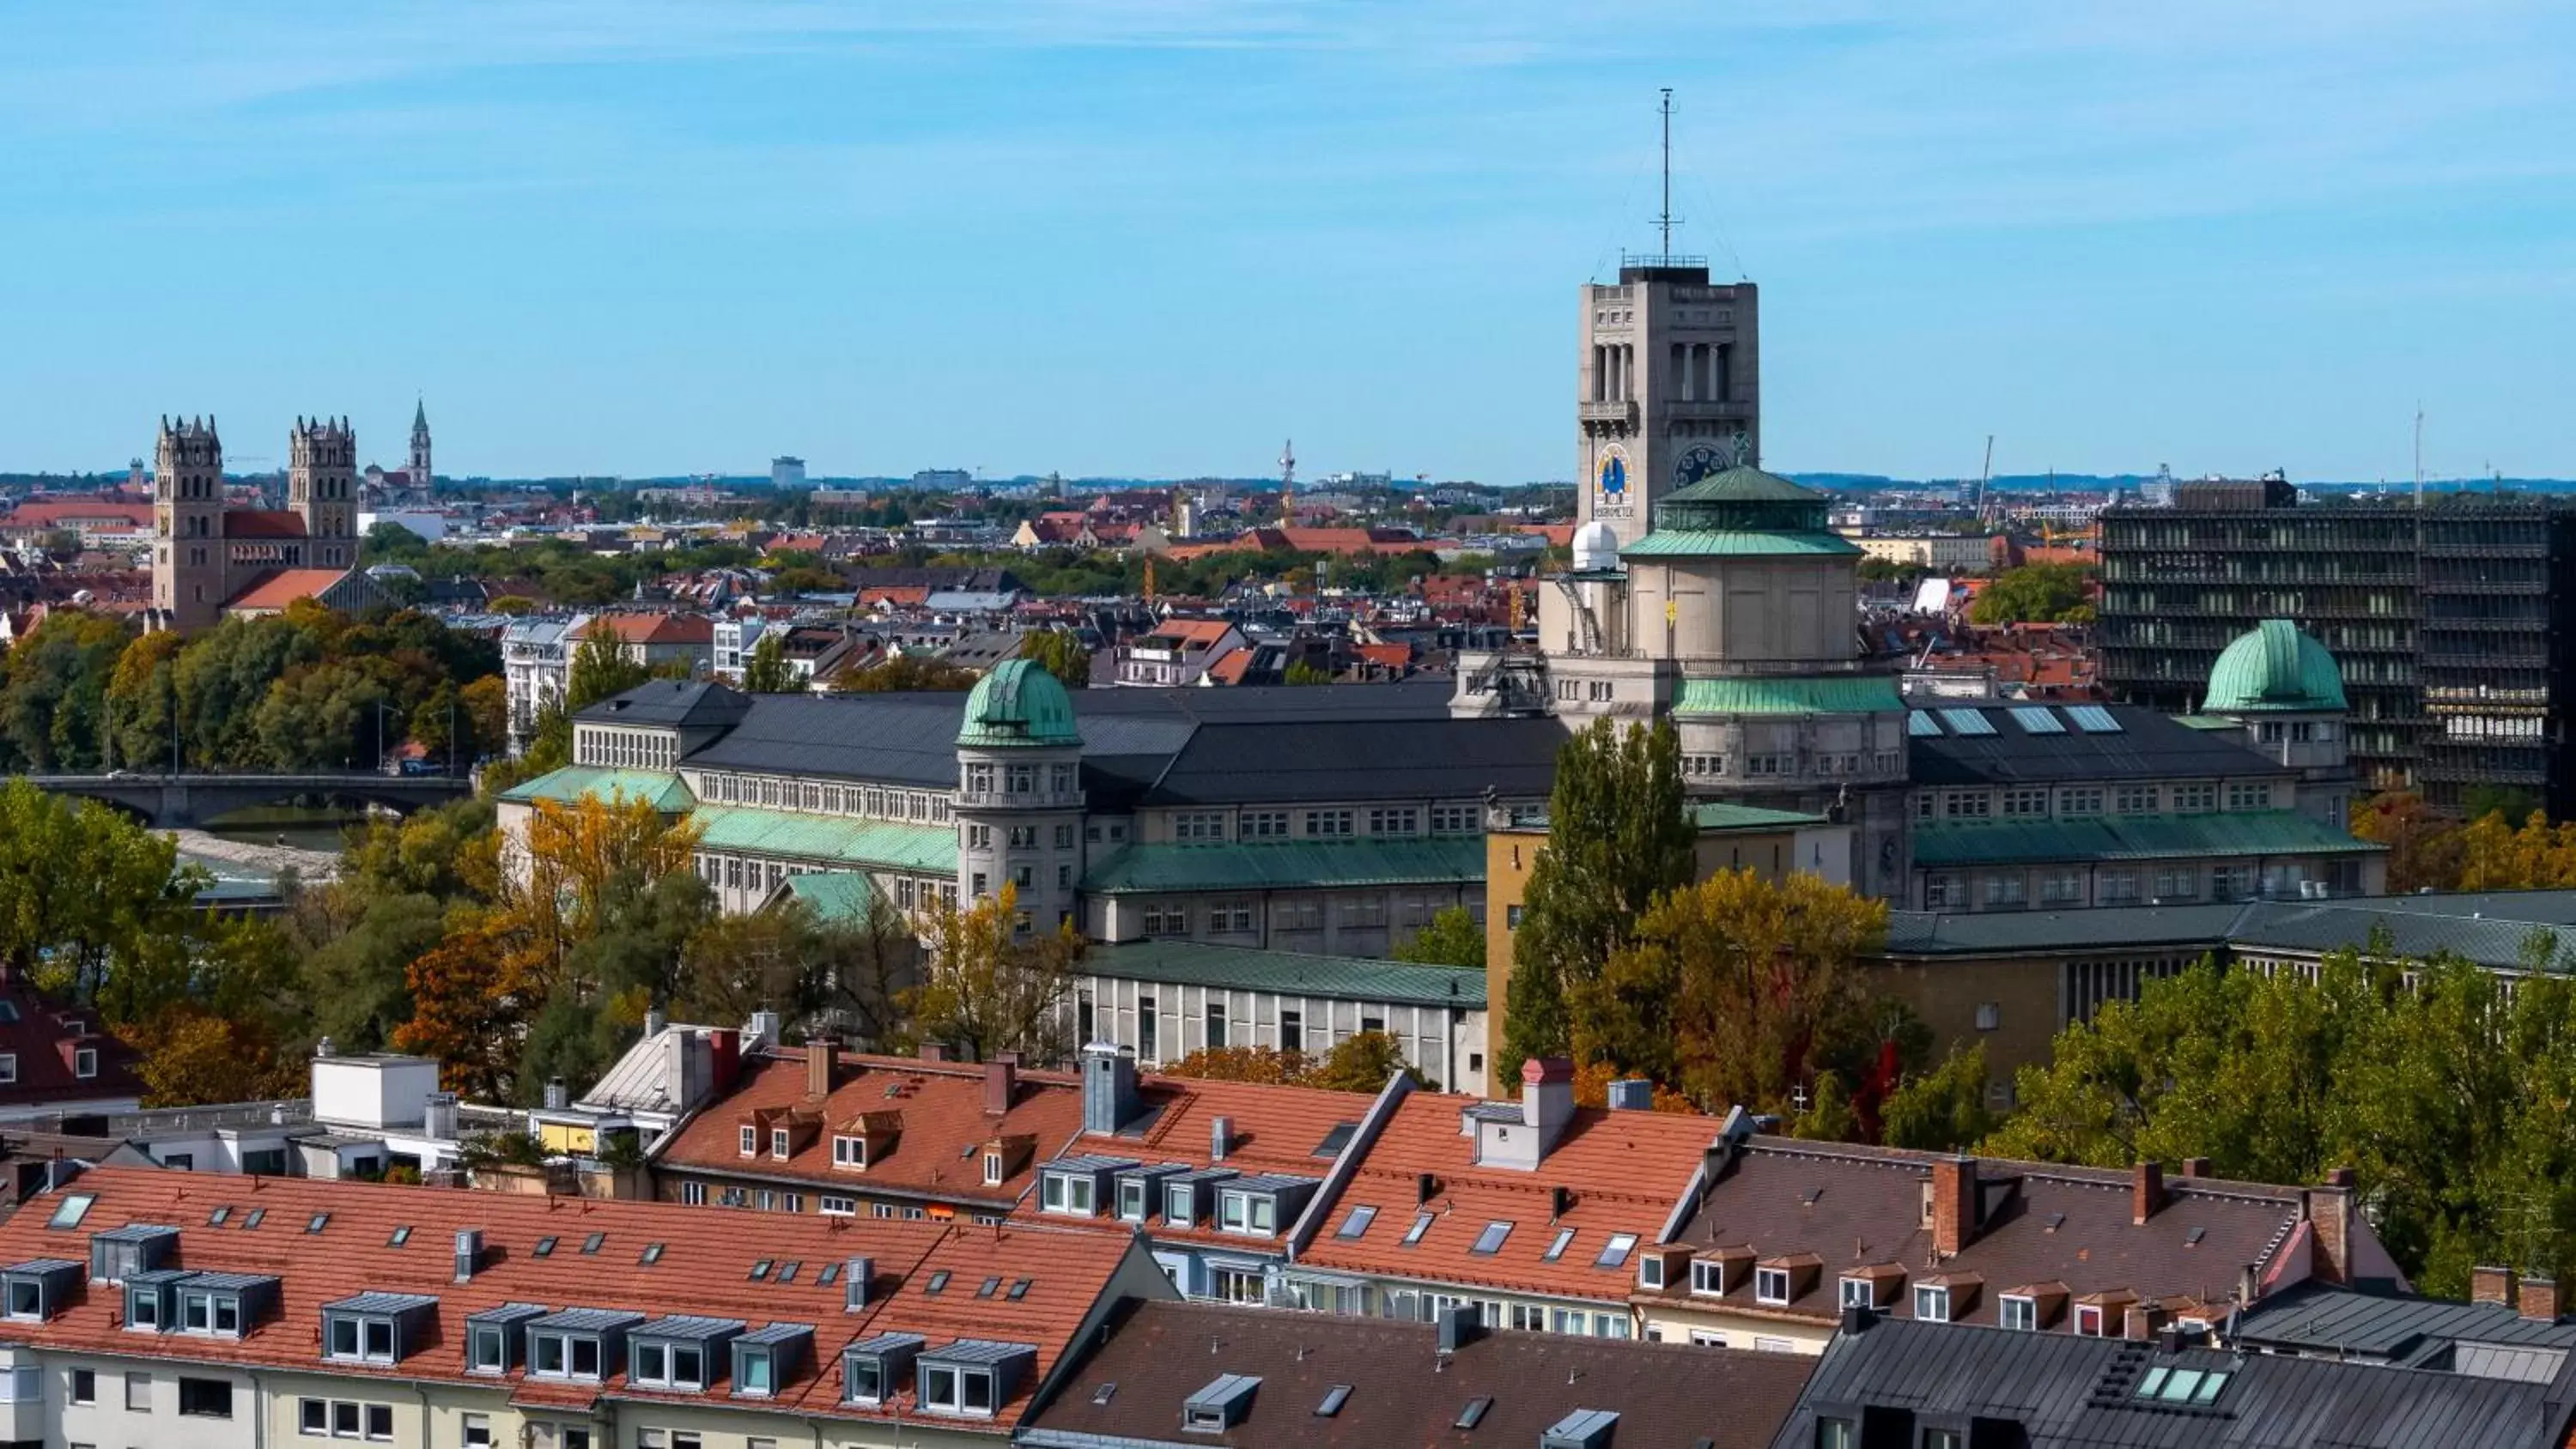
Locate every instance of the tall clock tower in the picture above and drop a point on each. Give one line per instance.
(1669, 387)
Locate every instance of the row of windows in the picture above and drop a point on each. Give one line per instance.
(1301, 913)
(629, 749)
(980, 777)
(1018, 837)
(2080, 801)
(695, 1193)
(869, 801)
(2132, 885)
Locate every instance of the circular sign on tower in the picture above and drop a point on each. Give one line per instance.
(1700, 462)
(1610, 482)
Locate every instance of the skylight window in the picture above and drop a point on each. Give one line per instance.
(2093, 719)
(787, 1271)
(1921, 725)
(831, 1274)
(2182, 1385)
(1421, 1225)
(255, 1217)
(317, 1222)
(1335, 1140)
(938, 1283)
(1019, 1289)
(2036, 719)
(1556, 1248)
(1356, 1221)
(592, 1243)
(216, 1218)
(401, 1236)
(545, 1248)
(1334, 1398)
(988, 1287)
(69, 1212)
(652, 1254)
(1614, 1253)
(1966, 722)
(1105, 1392)
(1490, 1241)
(1474, 1414)
(759, 1270)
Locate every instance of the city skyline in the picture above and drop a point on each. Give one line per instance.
(1151, 239)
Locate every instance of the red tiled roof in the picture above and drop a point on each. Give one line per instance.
(1197, 633)
(1230, 666)
(46, 1041)
(58, 512)
(263, 523)
(1626, 1170)
(284, 587)
(1393, 656)
(1269, 1129)
(705, 1267)
(652, 628)
(942, 1105)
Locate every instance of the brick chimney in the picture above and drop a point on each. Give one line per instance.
(2330, 1221)
(821, 1053)
(2491, 1284)
(2195, 1167)
(2539, 1300)
(2146, 1191)
(1954, 1204)
(1001, 1083)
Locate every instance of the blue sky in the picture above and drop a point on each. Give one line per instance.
(1155, 237)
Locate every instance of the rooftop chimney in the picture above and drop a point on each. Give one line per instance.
(324, 1048)
(1954, 1204)
(2330, 1220)
(1547, 1097)
(558, 1096)
(2195, 1167)
(654, 1022)
(1458, 1327)
(1220, 1138)
(821, 1055)
(2491, 1284)
(2539, 1300)
(1001, 1083)
(2146, 1191)
(469, 1253)
(1109, 1099)
(934, 1051)
(1632, 1094)
(855, 1282)
(762, 1030)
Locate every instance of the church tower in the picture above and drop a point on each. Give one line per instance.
(420, 474)
(322, 487)
(1667, 388)
(188, 523)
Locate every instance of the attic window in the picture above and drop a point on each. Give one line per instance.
(938, 1283)
(1556, 1246)
(1334, 1398)
(1421, 1225)
(652, 1254)
(988, 1287)
(787, 1271)
(2192, 1238)
(216, 1218)
(317, 1222)
(1335, 1140)
(69, 1212)
(1771, 1285)
(831, 1274)
(1356, 1221)
(256, 1217)
(1019, 1289)
(1614, 1253)
(759, 1270)
(545, 1248)
(592, 1243)
(1105, 1392)
(2182, 1385)
(1490, 1241)
(1474, 1414)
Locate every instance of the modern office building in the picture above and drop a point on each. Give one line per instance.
(2448, 621)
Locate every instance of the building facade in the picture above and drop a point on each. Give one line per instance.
(205, 555)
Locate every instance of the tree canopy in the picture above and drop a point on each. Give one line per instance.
(2039, 593)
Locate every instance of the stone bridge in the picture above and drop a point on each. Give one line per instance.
(173, 802)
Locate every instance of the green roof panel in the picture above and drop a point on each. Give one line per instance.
(1734, 543)
(1246, 968)
(1719, 815)
(1806, 694)
(1944, 845)
(882, 844)
(2274, 668)
(1291, 865)
(573, 782)
(837, 896)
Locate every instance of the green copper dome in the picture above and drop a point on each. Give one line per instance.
(1019, 703)
(2275, 668)
(1741, 512)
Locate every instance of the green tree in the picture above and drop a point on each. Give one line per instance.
(905, 673)
(1452, 939)
(992, 982)
(1303, 672)
(598, 670)
(53, 692)
(1942, 1110)
(2040, 593)
(1364, 1061)
(142, 704)
(85, 892)
(767, 671)
(1061, 654)
(1618, 837)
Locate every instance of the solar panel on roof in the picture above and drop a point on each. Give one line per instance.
(2093, 719)
(1921, 723)
(2037, 719)
(1965, 722)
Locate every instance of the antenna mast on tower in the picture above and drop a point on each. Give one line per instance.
(2419, 453)
(1664, 218)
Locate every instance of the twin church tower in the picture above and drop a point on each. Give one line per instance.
(207, 556)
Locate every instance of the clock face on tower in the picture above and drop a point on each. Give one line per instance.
(1700, 462)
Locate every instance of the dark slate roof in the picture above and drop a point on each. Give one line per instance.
(902, 738)
(1402, 1392)
(2147, 746)
(2064, 1392)
(678, 703)
(1343, 759)
(2500, 929)
(2399, 1327)
(1862, 1207)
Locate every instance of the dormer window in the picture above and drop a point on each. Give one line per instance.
(850, 1152)
(2088, 1320)
(85, 1062)
(1931, 1304)
(38, 1289)
(994, 1168)
(872, 1370)
(1771, 1286)
(1180, 1204)
(2017, 1311)
(579, 1344)
(360, 1340)
(971, 1378)
(1708, 1277)
(765, 1360)
(1131, 1199)
(778, 1142)
(202, 1311)
(1859, 1293)
(1248, 1212)
(495, 1339)
(750, 1140)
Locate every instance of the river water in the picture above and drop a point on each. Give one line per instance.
(248, 847)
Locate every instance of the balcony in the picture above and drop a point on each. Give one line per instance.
(1617, 414)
